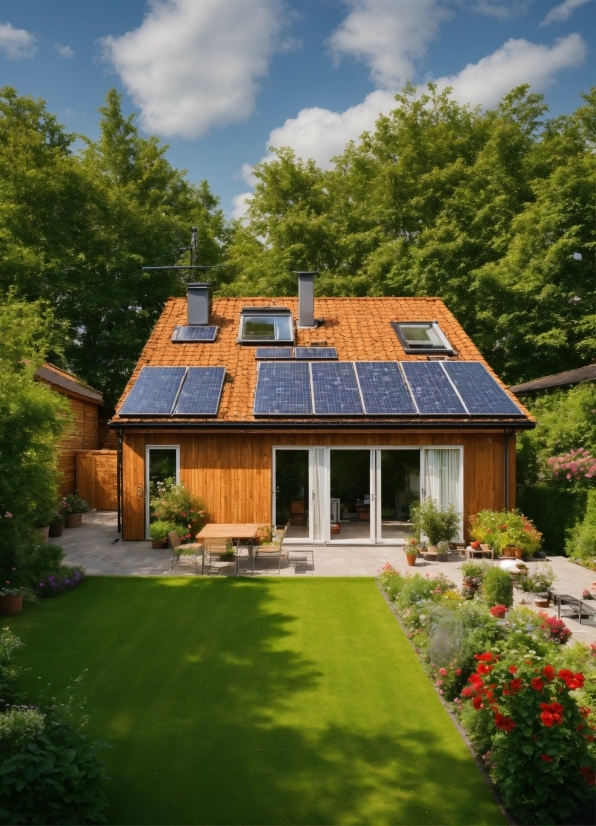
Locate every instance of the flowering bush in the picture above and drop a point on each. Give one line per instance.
(498, 611)
(540, 740)
(555, 629)
(502, 528)
(73, 504)
(577, 466)
(174, 503)
(65, 579)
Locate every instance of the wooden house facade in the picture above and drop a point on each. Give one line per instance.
(331, 415)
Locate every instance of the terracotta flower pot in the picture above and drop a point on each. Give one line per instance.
(411, 559)
(11, 604)
(475, 544)
(541, 602)
(163, 543)
(519, 553)
(508, 550)
(73, 520)
(442, 557)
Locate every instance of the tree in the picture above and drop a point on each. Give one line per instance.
(32, 419)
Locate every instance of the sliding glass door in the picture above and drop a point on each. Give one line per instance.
(162, 466)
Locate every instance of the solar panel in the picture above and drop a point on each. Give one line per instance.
(335, 389)
(283, 389)
(273, 353)
(433, 392)
(194, 333)
(315, 352)
(200, 392)
(480, 392)
(154, 392)
(383, 388)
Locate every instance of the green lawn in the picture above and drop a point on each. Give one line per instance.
(269, 701)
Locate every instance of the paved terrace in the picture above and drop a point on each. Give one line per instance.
(97, 547)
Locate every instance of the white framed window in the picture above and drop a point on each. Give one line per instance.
(265, 325)
(422, 337)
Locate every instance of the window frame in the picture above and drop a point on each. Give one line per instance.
(254, 313)
(424, 349)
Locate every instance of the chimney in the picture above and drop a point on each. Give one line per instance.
(198, 303)
(306, 298)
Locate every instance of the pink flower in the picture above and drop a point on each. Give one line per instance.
(443, 672)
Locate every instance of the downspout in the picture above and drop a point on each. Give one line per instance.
(119, 481)
(507, 436)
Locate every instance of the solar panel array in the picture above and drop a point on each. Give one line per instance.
(194, 333)
(306, 353)
(381, 388)
(175, 391)
(283, 389)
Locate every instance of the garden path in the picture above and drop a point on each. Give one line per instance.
(94, 547)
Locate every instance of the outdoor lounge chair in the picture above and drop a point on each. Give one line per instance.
(275, 551)
(193, 550)
(573, 605)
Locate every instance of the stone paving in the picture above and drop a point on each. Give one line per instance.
(97, 547)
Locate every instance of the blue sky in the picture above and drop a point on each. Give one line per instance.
(221, 80)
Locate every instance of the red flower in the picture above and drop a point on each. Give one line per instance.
(547, 718)
(537, 684)
(546, 757)
(504, 723)
(512, 669)
(549, 672)
(467, 692)
(516, 685)
(588, 774)
(484, 669)
(477, 703)
(584, 711)
(475, 679)
(487, 657)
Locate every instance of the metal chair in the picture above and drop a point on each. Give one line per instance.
(274, 551)
(193, 551)
(213, 551)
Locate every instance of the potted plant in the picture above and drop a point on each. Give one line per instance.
(510, 533)
(56, 524)
(73, 508)
(411, 550)
(538, 583)
(158, 531)
(436, 523)
(473, 572)
(175, 504)
(442, 551)
(11, 593)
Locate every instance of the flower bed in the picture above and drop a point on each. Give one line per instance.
(63, 580)
(523, 694)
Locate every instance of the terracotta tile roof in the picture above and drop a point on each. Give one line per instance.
(587, 373)
(67, 383)
(359, 328)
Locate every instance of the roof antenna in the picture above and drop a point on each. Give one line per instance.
(194, 257)
(194, 247)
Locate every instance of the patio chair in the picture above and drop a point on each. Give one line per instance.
(275, 551)
(213, 551)
(193, 551)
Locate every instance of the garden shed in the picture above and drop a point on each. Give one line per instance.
(329, 415)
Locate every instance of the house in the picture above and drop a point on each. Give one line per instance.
(85, 466)
(331, 414)
(556, 380)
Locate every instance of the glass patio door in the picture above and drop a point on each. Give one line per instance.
(162, 462)
(397, 479)
(442, 474)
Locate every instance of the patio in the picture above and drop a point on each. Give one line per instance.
(97, 547)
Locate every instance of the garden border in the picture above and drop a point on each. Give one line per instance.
(485, 776)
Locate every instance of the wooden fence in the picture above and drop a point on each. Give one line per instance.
(96, 478)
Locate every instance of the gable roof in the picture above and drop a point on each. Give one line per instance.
(359, 328)
(569, 377)
(67, 383)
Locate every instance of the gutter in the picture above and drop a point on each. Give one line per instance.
(507, 435)
(355, 426)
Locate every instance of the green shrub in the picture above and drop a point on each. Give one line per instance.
(9, 669)
(159, 530)
(174, 503)
(553, 510)
(391, 581)
(53, 782)
(435, 522)
(581, 538)
(498, 587)
(18, 726)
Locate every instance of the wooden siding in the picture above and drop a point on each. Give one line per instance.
(81, 434)
(233, 473)
(96, 478)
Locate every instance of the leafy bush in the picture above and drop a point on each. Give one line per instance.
(435, 522)
(502, 528)
(498, 587)
(18, 726)
(73, 504)
(174, 503)
(9, 669)
(391, 581)
(553, 510)
(159, 530)
(581, 538)
(539, 581)
(555, 629)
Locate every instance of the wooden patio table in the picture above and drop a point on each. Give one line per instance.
(235, 531)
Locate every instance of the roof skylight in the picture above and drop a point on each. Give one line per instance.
(266, 325)
(421, 337)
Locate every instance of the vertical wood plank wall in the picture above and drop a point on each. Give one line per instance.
(81, 434)
(96, 478)
(233, 473)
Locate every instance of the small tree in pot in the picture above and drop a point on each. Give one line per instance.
(436, 523)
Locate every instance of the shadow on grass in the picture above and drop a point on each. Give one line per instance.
(240, 701)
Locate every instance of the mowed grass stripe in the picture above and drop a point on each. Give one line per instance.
(239, 701)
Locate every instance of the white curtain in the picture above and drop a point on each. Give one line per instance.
(317, 513)
(442, 478)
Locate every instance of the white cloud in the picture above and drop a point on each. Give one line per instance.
(16, 43)
(563, 12)
(64, 51)
(501, 9)
(517, 61)
(390, 36)
(241, 203)
(193, 65)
